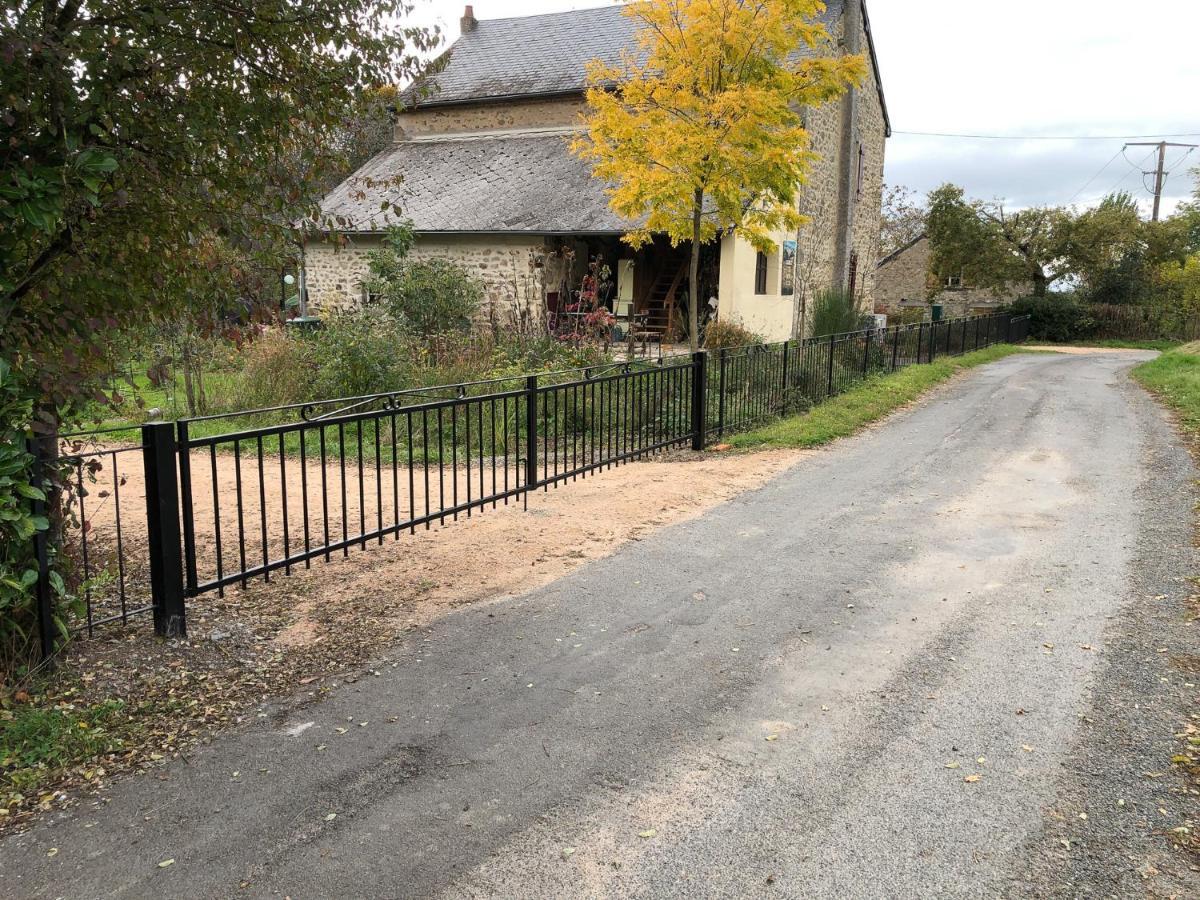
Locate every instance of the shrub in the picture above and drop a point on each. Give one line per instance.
(835, 311)
(18, 525)
(723, 333)
(1054, 317)
(426, 297)
(277, 369)
(356, 353)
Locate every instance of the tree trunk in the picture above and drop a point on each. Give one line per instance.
(694, 275)
(1039, 282)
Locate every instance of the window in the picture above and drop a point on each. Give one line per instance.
(760, 273)
(954, 281)
(852, 281)
(860, 177)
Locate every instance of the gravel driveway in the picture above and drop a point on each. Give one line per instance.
(938, 659)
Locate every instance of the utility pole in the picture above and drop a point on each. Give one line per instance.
(1159, 173)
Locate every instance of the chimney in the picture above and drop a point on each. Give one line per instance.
(468, 23)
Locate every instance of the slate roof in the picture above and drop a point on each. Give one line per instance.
(517, 182)
(529, 55)
(534, 55)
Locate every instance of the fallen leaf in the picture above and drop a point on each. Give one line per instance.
(971, 779)
(772, 737)
(1026, 748)
(331, 817)
(339, 730)
(53, 851)
(951, 765)
(165, 863)
(568, 852)
(648, 833)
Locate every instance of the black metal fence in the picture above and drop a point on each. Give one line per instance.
(217, 508)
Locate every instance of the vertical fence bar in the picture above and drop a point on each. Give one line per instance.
(895, 347)
(162, 521)
(699, 398)
(531, 448)
(189, 519)
(783, 396)
(829, 391)
(724, 360)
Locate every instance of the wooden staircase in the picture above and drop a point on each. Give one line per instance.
(660, 301)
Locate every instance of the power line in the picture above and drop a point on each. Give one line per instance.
(1133, 167)
(1043, 137)
(1111, 160)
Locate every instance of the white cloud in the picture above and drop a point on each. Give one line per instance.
(1028, 67)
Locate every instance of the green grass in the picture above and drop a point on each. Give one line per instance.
(861, 405)
(1175, 377)
(40, 742)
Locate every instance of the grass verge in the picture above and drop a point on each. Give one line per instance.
(45, 739)
(1175, 378)
(1118, 344)
(861, 405)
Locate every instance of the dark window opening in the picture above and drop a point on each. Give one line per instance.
(853, 279)
(862, 172)
(760, 273)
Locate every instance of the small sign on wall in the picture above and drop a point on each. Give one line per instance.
(787, 282)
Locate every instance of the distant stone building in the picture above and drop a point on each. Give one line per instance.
(902, 282)
(481, 167)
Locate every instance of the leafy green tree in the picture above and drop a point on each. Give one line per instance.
(130, 128)
(902, 218)
(991, 247)
(132, 132)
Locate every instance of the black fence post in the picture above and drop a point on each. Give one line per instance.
(162, 524)
(723, 357)
(531, 444)
(866, 352)
(699, 398)
(933, 326)
(920, 340)
(47, 632)
(829, 390)
(895, 346)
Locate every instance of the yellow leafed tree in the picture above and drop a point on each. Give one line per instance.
(699, 129)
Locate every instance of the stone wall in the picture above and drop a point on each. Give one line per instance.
(476, 117)
(902, 282)
(511, 267)
(819, 264)
(870, 135)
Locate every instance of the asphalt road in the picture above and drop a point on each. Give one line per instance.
(790, 696)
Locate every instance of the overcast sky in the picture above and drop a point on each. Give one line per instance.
(1015, 67)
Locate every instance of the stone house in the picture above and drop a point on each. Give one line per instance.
(480, 165)
(904, 277)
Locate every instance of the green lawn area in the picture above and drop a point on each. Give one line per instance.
(871, 400)
(1175, 377)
